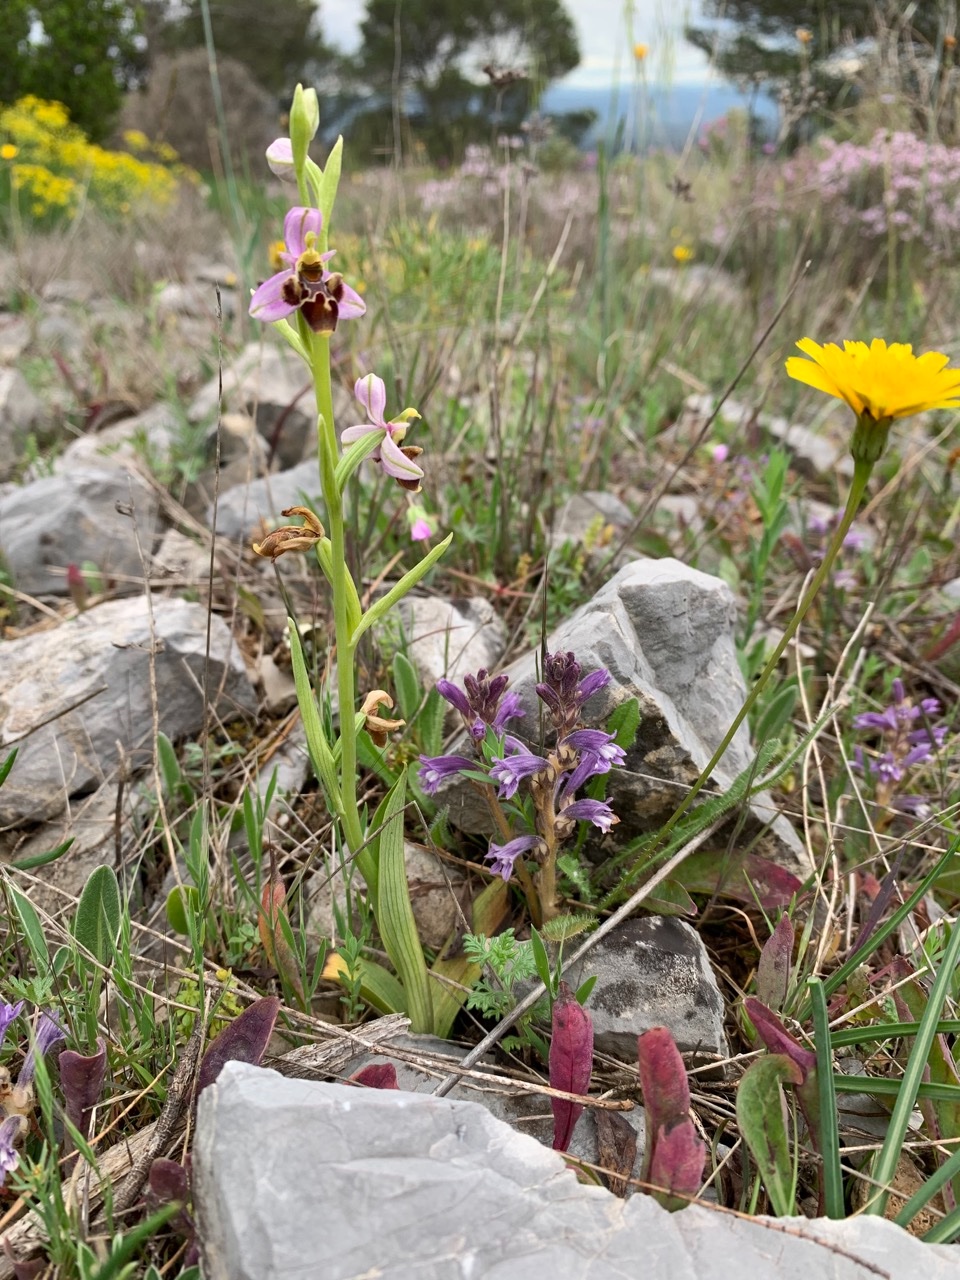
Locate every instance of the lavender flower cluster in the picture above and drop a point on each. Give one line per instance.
(16, 1100)
(897, 180)
(908, 739)
(486, 708)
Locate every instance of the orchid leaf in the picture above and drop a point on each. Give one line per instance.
(405, 585)
(245, 1039)
(395, 921)
(461, 974)
(97, 922)
(571, 1062)
(353, 455)
(330, 181)
(762, 1118)
(378, 986)
(773, 968)
(320, 754)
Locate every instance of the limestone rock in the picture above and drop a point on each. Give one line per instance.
(75, 696)
(21, 414)
(82, 515)
(451, 637)
(295, 1177)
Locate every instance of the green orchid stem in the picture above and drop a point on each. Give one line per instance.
(861, 475)
(343, 590)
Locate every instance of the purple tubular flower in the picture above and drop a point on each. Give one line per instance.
(596, 811)
(395, 461)
(509, 709)
(9, 1132)
(306, 285)
(485, 702)
(563, 691)
(49, 1032)
(7, 1014)
(435, 769)
(502, 856)
(514, 767)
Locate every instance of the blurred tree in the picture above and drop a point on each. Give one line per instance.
(756, 41)
(425, 61)
(83, 53)
(278, 41)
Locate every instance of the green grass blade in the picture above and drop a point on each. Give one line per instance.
(829, 1136)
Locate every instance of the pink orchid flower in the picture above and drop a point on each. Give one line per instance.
(305, 284)
(396, 459)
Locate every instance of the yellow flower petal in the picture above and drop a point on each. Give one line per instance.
(880, 381)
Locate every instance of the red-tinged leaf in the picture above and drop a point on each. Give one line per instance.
(81, 1078)
(24, 1270)
(571, 1062)
(379, 1075)
(677, 1164)
(616, 1149)
(245, 1039)
(168, 1182)
(778, 1039)
(274, 930)
(745, 878)
(773, 969)
(663, 1080)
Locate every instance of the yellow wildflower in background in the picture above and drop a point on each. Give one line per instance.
(8, 151)
(878, 381)
(274, 250)
(640, 51)
(804, 35)
(682, 253)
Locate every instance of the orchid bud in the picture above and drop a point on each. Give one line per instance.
(280, 159)
(304, 122)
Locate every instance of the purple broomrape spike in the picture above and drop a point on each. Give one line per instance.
(245, 1039)
(81, 1078)
(571, 1062)
(674, 1156)
(378, 1075)
(777, 1038)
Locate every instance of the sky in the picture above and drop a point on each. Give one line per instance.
(603, 38)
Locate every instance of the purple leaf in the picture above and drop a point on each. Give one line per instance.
(379, 1075)
(677, 1165)
(24, 1270)
(82, 1080)
(245, 1039)
(571, 1062)
(777, 1038)
(674, 1155)
(168, 1182)
(773, 969)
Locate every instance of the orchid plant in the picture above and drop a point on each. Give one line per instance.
(305, 301)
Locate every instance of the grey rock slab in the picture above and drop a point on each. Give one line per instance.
(272, 384)
(14, 336)
(83, 515)
(21, 414)
(75, 696)
(243, 509)
(665, 632)
(297, 1178)
(145, 440)
(653, 972)
(451, 637)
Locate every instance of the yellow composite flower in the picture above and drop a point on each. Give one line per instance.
(682, 253)
(8, 151)
(640, 51)
(878, 382)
